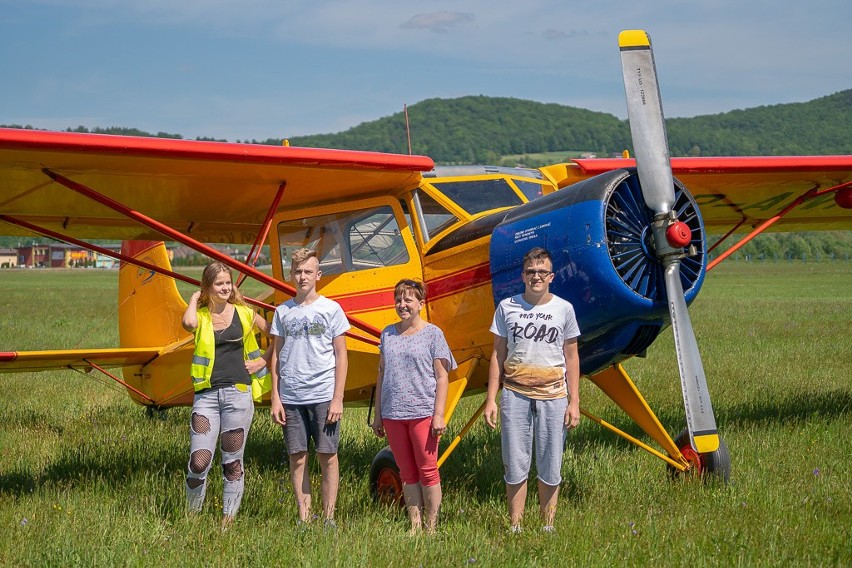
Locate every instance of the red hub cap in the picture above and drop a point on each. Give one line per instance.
(678, 234)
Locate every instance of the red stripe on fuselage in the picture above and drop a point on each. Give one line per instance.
(459, 281)
(448, 285)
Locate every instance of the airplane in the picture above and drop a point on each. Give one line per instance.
(629, 245)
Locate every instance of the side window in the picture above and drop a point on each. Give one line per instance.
(346, 241)
(435, 218)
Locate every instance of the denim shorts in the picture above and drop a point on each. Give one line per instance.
(306, 421)
(525, 423)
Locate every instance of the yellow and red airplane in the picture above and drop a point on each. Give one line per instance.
(628, 241)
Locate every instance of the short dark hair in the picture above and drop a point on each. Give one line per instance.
(537, 253)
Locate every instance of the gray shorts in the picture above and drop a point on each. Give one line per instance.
(306, 421)
(525, 421)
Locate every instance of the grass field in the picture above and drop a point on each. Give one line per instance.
(87, 479)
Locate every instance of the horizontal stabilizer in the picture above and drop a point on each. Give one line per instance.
(79, 359)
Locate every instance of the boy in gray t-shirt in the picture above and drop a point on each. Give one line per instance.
(309, 364)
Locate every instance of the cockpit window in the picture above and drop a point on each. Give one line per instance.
(435, 218)
(480, 195)
(346, 241)
(529, 189)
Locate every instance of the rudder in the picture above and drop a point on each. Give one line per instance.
(150, 308)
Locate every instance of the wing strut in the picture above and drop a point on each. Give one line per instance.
(192, 243)
(254, 253)
(808, 195)
(119, 381)
(116, 255)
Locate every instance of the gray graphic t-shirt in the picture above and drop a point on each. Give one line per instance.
(306, 360)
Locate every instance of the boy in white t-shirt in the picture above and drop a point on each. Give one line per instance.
(309, 364)
(535, 355)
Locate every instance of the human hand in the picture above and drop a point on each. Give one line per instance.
(490, 413)
(438, 425)
(255, 365)
(378, 427)
(335, 411)
(277, 411)
(572, 415)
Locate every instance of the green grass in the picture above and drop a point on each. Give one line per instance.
(86, 478)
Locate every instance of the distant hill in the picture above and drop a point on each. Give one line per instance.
(480, 129)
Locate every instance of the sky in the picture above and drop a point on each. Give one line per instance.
(258, 69)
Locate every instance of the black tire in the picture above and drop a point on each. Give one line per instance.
(709, 466)
(385, 482)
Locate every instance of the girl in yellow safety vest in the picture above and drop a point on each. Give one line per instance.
(228, 373)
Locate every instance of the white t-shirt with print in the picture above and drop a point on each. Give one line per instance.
(535, 335)
(306, 360)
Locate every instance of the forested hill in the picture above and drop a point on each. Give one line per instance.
(479, 129)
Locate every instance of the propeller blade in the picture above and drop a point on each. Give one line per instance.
(696, 397)
(647, 127)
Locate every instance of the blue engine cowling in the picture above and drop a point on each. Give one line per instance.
(598, 232)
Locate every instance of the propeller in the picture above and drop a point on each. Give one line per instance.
(648, 129)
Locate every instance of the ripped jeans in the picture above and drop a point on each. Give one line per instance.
(224, 413)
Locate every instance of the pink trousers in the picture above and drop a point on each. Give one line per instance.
(415, 450)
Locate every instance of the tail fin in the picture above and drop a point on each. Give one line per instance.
(150, 308)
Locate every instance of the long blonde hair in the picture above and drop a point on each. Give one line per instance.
(211, 271)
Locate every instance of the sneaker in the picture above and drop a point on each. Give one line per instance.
(330, 525)
(548, 529)
(515, 529)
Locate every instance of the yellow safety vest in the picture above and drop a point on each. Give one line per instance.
(205, 352)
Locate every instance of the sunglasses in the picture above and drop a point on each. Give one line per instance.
(530, 272)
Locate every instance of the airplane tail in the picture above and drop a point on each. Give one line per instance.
(150, 308)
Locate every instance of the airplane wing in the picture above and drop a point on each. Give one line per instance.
(212, 191)
(79, 359)
(745, 191)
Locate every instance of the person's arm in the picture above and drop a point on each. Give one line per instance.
(190, 316)
(341, 366)
(255, 365)
(261, 324)
(276, 408)
(495, 370)
(377, 425)
(572, 380)
(439, 425)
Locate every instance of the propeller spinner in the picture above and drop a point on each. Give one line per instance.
(648, 129)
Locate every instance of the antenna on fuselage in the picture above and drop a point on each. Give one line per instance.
(407, 127)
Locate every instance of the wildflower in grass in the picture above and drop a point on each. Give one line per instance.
(24, 522)
(816, 472)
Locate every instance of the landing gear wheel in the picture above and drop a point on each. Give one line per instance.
(156, 413)
(712, 465)
(385, 483)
